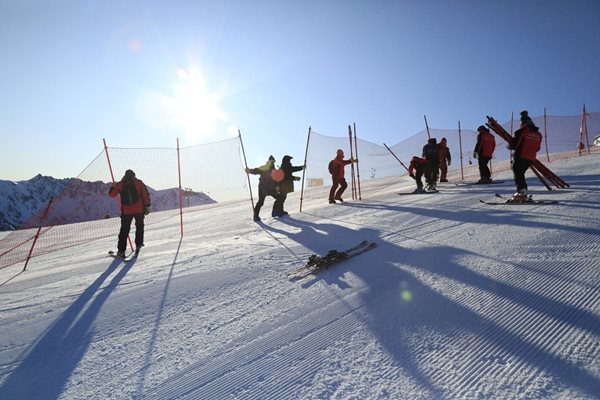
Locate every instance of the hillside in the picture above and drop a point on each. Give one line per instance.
(460, 300)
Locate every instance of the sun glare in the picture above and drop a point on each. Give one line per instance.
(195, 108)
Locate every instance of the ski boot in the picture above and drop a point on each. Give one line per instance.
(332, 201)
(339, 198)
(520, 196)
(121, 254)
(419, 190)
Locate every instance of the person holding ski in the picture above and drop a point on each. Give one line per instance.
(430, 153)
(287, 184)
(336, 169)
(483, 152)
(526, 142)
(266, 187)
(444, 159)
(135, 204)
(416, 169)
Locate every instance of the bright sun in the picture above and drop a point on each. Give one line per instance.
(194, 108)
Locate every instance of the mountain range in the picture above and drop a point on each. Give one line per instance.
(23, 203)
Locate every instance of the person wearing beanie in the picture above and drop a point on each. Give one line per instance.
(135, 204)
(287, 184)
(444, 159)
(336, 169)
(526, 142)
(266, 185)
(483, 152)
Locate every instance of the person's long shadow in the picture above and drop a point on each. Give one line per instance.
(47, 367)
(401, 309)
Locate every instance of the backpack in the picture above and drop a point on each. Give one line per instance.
(430, 151)
(331, 167)
(129, 193)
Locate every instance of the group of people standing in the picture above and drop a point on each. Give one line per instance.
(436, 158)
(278, 183)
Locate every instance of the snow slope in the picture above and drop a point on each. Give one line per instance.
(460, 300)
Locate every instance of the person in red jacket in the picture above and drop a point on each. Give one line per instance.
(483, 152)
(526, 143)
(416, 169)
(444, 159)
(135, 204)
(336, 169)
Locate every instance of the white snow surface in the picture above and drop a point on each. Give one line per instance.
(459, 300)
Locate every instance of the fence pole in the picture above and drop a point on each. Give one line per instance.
(462, 174)
(112, 177)
(390, 150)
(352, 164)
(180, 192)
(37, 234)
(304, 170)
(246, 166)
(546, 135)
(357, 170)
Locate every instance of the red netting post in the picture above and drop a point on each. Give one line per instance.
(112, 177)
(585, 130)
(357, 170)
(246, 166)
(37, 234)
(304, 170)
(180, 190)
(546, 135)
(462, 174)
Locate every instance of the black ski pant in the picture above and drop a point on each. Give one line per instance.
(334, 192)
(520, 166)
(261, 201)
(126, 227)
(484, 170)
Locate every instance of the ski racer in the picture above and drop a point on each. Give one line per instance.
(526, 143)
(483, 152)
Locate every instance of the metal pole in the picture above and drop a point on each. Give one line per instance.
(180, 193)
(246, 166)
(304, 170)
(357, 170)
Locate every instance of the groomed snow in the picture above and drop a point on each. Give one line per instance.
(460, 300)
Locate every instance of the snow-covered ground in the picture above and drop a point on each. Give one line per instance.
(460, 300)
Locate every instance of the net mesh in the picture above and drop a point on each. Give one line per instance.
(212, 175)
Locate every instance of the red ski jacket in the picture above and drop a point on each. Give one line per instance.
(486, 144)
(528, 141)
(143, 199)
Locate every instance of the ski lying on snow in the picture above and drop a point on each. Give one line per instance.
(477, 183)
(425, 192)
(317, 263)
(529, 200)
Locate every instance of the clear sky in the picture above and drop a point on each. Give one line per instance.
(143, 73)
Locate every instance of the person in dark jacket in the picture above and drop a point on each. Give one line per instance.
(286, 185)
(483, 152)
(266, 186)
(526, 143)
(337, 176)
(430, 153)
(135, 204)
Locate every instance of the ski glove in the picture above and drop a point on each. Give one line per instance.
(147, 210)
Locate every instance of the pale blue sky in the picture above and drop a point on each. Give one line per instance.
(74, 72)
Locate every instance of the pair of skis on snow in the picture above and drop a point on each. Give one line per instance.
(128, 257)
(318, 263)
(528, 200)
